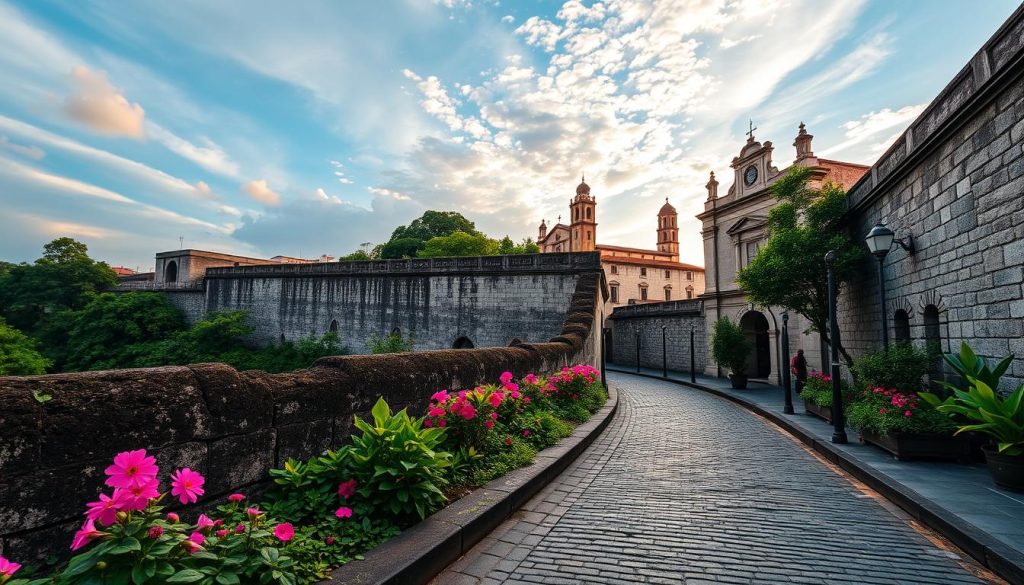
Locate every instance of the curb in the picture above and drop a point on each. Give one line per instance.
(418, 554)
(998, 557)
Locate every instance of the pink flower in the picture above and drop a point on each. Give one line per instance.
(506, 377)
(526, 399)
(204, 522)
(494, 416)
(284, 532)
(441, 396)
(329, 540)
(222, 533)
(197, 537)
(881, 411)
(253, 513)
(85, 534)
(495, 399)
(508, 440)
(8, 568)
(515, 394)
(131, 468)
(105, 509)
(436, 411)
(347, 489)
(240, 528)
(193, 542)
(526, 432)
(908, 413)
(428, 423)
(155, 532)
(468, 412)
(187, 485)
(173, 518)
(513, 388)
(343, 512)
(138, 497)
(530, 379)
(489, 424)
(442, 423)
(236, 498)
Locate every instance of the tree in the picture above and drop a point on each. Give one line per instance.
(459, 244)
(401, 248)
(407, 240)
(18, 355)
(790, 271)
(527, 246)
(730, 346)
(356, 256)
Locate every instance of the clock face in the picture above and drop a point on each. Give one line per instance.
(750, 175)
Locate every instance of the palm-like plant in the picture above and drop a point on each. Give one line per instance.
(998, 417)
(970, 365)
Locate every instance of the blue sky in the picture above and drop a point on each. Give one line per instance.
(308, 127)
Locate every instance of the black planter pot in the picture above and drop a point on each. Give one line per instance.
(1007, 470)
(739, 381)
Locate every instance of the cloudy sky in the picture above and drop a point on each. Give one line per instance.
(309, 127)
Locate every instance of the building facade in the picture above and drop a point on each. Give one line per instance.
(634, 275)
(734, 229)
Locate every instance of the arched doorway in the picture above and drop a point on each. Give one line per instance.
(901, 325)
(933, 343)
(334, 326)
(462, 343)
(755, 326)
(171, 272)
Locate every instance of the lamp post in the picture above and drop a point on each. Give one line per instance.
(604, 355)
(638, 351)
(838, 423)
(879, 241)
(664, 353)
(788, 409)
(693, 360)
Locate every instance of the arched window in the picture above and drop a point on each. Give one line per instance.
(515, 341)
(462, 343)
(171, 272)
(689, 292)
(334, 326)
(588, 213)
(668, 293)
(901, 324)
(282, 339)
(397, 331)
(933, 342)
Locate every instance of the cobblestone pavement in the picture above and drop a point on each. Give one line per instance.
(684, 487)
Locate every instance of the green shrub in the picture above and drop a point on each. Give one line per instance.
(901, 367)
(887, 411)
(730, 346)
(818, 390)
(393, 343)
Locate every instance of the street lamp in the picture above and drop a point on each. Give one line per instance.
(788, 407)
(838, 422)
(879, 241)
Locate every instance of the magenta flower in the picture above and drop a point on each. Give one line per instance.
(193, 543)
(441, 396)
(508, 441)
(526, 432)
(253, 513)
(155, 532)
(105, 509)
(8, 568)
(173, 518)
(495, 399)
(512, 388)
(428, 423)
(204, 522)
(468, 412)
(343, 512)
(197, 537)
(442, 423)
(908, 413)
(530, 379)
(222, 533)
(85, 535)
(284, 532)
(187, 485)
(329, 540)
(506, 377)
(436, 411)
(236, 498)
(131, 468)
(489, 424)
(137, 498)
(240, 528)
(347, 489)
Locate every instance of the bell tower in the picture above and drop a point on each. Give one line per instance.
(668, 230)
(583, 221)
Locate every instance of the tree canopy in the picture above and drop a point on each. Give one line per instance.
(18, 354)
(443, 233)
(789, 270)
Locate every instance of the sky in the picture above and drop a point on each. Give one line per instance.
(310, 127)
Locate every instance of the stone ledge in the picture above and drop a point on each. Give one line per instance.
(418, 554)
(987, 550)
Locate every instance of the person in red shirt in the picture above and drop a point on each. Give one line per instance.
(798, 365)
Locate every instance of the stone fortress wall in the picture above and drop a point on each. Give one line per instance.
(233, 426)
(954, 181)
(677, 318)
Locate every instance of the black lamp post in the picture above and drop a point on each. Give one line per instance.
(638, 351)
(788, 409)
(693, 360)
(664, 352)
(879, 241)
(838, 422)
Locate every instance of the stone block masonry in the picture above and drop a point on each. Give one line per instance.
(230, 426)
(677, 317)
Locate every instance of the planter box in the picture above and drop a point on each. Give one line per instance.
(908, 446)
(824, 412)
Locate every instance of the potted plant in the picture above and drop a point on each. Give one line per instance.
(730, 348)
(817, 394)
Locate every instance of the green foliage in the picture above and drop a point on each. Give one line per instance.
(969, 365)
(406, 241)
(818, 390)
(18, 355)
(888, 412)
(730, 346)
(458, 244)
(398, 465)
(506, 246)
(980, 407)
(401, 248)
(393, 343)
(901, 367)
(357, 256)
(307, 491)
(789, 270)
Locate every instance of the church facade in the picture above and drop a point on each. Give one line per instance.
(635, 275)
(735, 227)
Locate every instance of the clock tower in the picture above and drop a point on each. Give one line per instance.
(583, 226)
(753, 167)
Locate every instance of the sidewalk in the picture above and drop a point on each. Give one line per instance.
(960, 501)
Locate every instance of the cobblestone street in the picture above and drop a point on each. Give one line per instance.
(684, 487)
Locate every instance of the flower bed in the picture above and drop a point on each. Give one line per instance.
(327, 511)
(817, 394)
(906, 427)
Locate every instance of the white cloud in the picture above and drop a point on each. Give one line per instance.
(33, 152)
(508, 18)
(210, 156)
(259, 191)
(540, 32)
(101, 107)
(727, 43)
(870, 125)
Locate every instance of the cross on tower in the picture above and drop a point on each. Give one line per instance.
(750, 133)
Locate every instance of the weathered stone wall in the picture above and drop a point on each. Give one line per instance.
(230, 426)
(191, 303)
(677, 317)
(954, 182)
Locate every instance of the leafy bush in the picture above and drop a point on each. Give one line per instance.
(1000, 418)
(887, 411)
(818, 390)
(393, 343)
(18, 355)
(900, 367)
(969, 365)
(730, 346)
